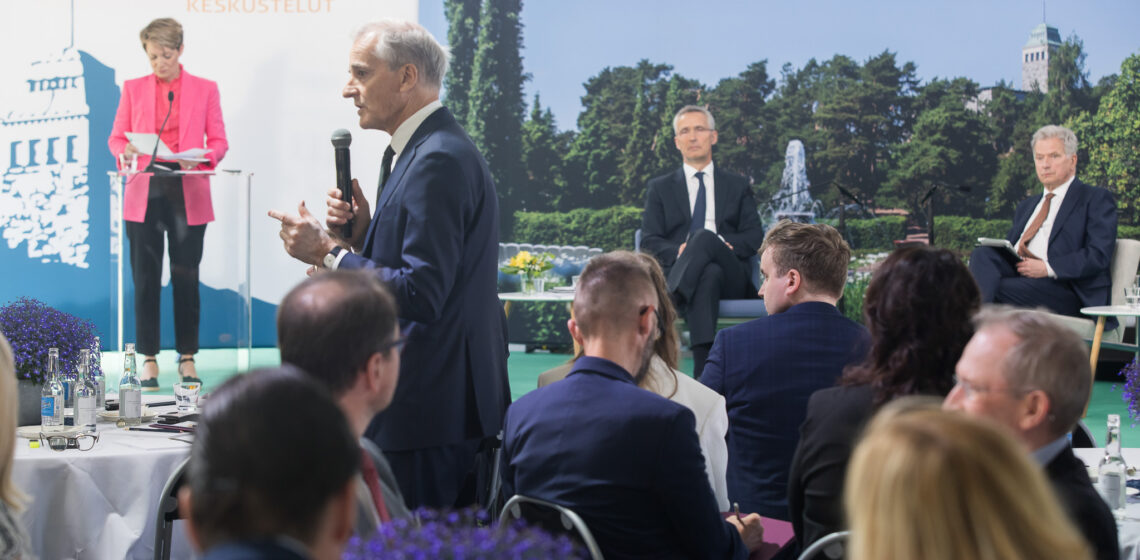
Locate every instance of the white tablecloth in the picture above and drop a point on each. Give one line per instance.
(1128, 527)
(99, 503)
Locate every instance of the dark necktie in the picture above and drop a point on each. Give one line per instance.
(699, 206)
(372, 479)
(385, 171)
(1023, 245)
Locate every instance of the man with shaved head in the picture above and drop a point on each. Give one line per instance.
(626, 460)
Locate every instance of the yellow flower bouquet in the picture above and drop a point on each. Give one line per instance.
(528, 264)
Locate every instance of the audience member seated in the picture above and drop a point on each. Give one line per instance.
(1065, 249)
(341, 328)
(272, 472)
(663, 378)
(626, 460)
(14, 542)
(700, 221)
(934, 485)
(1031, 375)
(918, 308)
(768, 368)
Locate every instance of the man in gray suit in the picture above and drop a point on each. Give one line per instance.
(341, 328)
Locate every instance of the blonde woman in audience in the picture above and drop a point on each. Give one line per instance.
(938, 485)
(663, 378)
(13, 540)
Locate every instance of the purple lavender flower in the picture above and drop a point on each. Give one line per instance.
(460, 534)
(32, 327)
(1131, 392)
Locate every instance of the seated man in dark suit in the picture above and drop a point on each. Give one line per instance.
(266, 480)
(701, 224)
(626, 460)
(1031, 374)
(341, 328)
(769, 367)
(1065, 238)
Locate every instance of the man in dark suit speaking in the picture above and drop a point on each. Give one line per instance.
(434, 241)
(701, 223)
(1065, 238)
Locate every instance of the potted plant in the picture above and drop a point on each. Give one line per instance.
(530, 267)
(32, 327)
(464, 534)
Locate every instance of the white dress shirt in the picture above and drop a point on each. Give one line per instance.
(1039, 245)
(710, 199)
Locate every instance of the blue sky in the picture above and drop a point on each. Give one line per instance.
(567, 42)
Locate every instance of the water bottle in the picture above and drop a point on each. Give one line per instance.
(130, 391)
(68, 379)
(98, 379)
(85, 399)
(1113, 471)
(52, 396)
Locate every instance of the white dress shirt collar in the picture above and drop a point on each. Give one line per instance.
(404, 132)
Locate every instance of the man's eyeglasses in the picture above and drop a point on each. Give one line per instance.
(82, 442)
(398, 342)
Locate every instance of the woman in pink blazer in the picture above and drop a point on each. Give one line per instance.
(177, 207)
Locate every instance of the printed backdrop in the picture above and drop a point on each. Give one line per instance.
(280, 66)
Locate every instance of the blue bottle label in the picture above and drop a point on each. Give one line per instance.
(47, 406)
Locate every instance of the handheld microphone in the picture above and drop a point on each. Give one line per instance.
(156, 169)
(340, 141)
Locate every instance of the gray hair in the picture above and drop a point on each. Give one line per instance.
(401, 42)
(694, 109)
(1048, 356)
(1053, 131)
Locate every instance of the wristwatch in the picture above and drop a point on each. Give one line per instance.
(331, 256)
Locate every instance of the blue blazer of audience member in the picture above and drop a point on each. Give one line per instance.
(767, 369)
(626, 460)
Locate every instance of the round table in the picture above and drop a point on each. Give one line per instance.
(99, 503)
(1101, 312)
(1128, 525)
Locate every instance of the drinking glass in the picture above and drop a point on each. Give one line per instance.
(186, 395)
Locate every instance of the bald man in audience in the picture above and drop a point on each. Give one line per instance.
(1031, 374)
(626, 460)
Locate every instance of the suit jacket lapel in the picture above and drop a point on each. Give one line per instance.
(1072, 198)
(186, 110)
(721, 200)
(1020, 221)
(681, 193)
(148, 106)
(434, 122)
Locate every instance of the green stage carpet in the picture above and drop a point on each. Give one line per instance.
(215, 366)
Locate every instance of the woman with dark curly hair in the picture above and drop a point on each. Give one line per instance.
(918, 309)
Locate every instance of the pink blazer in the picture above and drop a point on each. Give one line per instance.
(199, 125)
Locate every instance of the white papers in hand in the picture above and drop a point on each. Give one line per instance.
(144, 143)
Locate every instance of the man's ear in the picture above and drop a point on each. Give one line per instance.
(409, 77)
(1034, 410)
(575, 332)
(795, 282)
(185, 506)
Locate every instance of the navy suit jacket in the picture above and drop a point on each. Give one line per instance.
(1084, 505)
(1081, 242)
(623, 458)
(767, 369)
(434, 240)
(667, 216)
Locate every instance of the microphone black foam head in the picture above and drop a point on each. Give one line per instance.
(341, 138)
(170, 96)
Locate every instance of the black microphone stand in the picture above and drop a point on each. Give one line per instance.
(153, 167)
